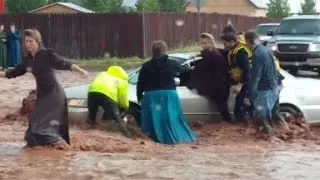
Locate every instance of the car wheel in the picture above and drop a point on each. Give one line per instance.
(132, 115)
(288, 112)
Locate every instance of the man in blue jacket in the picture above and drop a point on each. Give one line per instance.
(262, 91)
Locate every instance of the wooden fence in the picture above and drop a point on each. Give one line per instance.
(131, 34)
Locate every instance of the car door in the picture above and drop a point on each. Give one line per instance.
(194, 106)
(199, 107)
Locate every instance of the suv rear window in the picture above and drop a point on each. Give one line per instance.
(299, 26)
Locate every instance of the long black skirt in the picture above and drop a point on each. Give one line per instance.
(49, 120)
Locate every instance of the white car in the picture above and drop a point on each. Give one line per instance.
(299, 95)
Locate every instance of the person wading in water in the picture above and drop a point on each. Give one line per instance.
(49, 120)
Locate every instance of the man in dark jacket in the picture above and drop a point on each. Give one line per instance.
(263, 84)
(239, 66)
(229, 28)
(210, 76)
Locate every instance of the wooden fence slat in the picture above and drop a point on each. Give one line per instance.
(92, 35)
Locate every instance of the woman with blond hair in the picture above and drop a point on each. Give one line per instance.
(161, 113)
(49, 120)
(210, 76)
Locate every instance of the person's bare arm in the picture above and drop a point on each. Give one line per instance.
(77, 69)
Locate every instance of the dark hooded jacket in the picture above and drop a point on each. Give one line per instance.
(210, 74)
(229, 29)
(158, 74)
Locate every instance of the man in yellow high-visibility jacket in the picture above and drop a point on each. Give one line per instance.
(108, 90)
(239, 58)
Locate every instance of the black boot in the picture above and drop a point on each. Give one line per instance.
(90, 122)
(266, 126)
(278, 118)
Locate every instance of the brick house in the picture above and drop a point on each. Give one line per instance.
(61, 7)
(255, 8)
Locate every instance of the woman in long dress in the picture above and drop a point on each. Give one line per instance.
(49, 120)
(13, 45)
(161, 114)
(3, 47)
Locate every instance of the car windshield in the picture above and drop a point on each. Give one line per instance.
(263, 29)
(299, 26)
(133, 77)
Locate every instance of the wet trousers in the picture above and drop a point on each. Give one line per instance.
(263, 105)
(240, 109)
(111, 109)
(221, 100)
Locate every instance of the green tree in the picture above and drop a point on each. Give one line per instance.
(172, 5)
(148, 5)
(54, 1)
(78, 2)
(103, 5)
(23, 6)
(308, 7)
(127, 9)
(278, 8)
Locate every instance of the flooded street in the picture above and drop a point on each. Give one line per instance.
(223, 151)
(204, 163)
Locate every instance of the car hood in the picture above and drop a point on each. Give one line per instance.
(77, 92)
(264, 38)
(300, 38)
(308, 83)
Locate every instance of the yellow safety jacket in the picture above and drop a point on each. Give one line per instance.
(114, 84)
(235, 71)
(277, 63)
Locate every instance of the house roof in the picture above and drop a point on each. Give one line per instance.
(260, 4)
(68, 5)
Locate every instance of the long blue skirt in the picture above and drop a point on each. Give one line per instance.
(162, 119)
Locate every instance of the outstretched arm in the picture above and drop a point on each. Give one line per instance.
(60, 63)
(19, 70)
(78, 69)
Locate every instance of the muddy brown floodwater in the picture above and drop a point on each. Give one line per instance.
(223, 151)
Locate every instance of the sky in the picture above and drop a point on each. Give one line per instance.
(294, 4)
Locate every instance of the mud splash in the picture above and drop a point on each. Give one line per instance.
(24, 113)
(223, 133)
(106, 139)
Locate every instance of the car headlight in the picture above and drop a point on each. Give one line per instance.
(314, 47)
(77, 103)
(272, 47)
